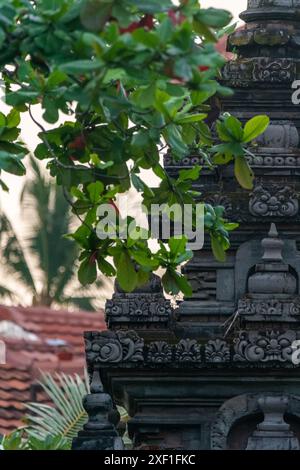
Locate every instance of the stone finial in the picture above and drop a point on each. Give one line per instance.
(99, 433)
(272, 276)
(272, 246)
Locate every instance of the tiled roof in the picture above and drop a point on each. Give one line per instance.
(26, 358)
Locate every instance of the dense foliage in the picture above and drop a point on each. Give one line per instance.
(129, 78)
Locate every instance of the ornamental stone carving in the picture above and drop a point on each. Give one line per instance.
(138, 306)
(217, 351)
(269, 307)
(262, 70)
(145, 305)
(274, 160)
(274, 70)
(188, 161)
(274, 201)
(159, 352)
(267, 346)
(110, 347)
(188, 350)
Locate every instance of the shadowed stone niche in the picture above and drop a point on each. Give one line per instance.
(257, 422)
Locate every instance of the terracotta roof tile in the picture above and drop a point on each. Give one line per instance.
(25, 359)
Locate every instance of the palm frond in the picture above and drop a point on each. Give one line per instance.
(13, 255)
(83, 303)
(5, 292)
(50, 219)
(67, 416)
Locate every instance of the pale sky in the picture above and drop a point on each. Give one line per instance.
(10, 202)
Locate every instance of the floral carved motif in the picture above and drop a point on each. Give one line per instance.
(188, 350)
(217, 351)
(264, 347)
(274, 202)
(159, 352)
(274, 71)
(113, 347)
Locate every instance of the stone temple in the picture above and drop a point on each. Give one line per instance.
(220, 371)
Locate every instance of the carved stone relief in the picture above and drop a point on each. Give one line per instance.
(159, 352)
(188, 350)
(273, 201)
(217, 351)
(109, 347)
(263, 347)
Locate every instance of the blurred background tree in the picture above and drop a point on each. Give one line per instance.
(45, 264)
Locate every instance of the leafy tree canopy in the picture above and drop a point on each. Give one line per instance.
(129, 77)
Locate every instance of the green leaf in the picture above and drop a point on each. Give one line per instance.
(105, 267)
(153, 6)
(191, 174)
(255, 127)
(215, 18)
(95, 13)
(177, 245)
(218, 249)
(95, 190)
(223, 133)
(87, 273)
(80, 66)
(243, 172)
(13, 119)
(12, 163)
(21, 97)
(173, 138)
(147, 38)
(174, 283)
(56, 78)
(126, 273)
(2, 120)
(41, 152)
(235, 128)
(190, 118)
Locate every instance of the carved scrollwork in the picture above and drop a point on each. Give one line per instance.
(217, 351)
(240, 73)
(273, 202)
(264, 347)
(188, 350)
(147, 308)
(159, 352)
(274, 70)
(113, 347)
(269, 307)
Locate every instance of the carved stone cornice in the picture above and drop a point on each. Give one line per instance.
(126, 348)
(278, 310)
